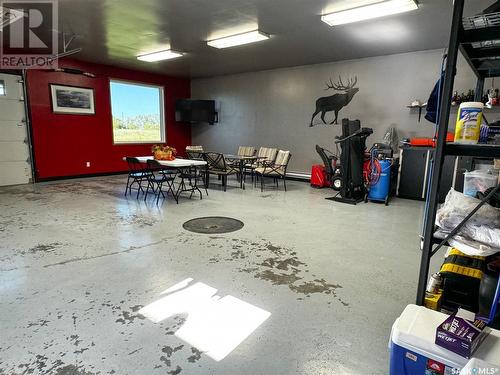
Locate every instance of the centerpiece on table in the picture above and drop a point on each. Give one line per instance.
(163, 152)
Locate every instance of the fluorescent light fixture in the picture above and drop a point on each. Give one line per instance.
(382, 9)
(238, 39)
(158, 56)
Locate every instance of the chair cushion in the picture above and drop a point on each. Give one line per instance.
(270, 172)
(282, 157)
(271, 154)
(246, 151)
(194, 148)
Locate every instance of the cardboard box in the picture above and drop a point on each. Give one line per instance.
(461, 333)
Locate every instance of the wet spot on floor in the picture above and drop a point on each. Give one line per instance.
(168, 350)
(196, 355)
(42, 248)
(315, 286)
(72, 370)
(277, 278)
(176, 371)
(128, 317)
(278, 265)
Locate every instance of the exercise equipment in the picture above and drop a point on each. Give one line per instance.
(353, 145)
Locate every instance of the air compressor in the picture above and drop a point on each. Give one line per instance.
(379, 173)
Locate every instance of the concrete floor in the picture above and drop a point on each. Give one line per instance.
(78, 261)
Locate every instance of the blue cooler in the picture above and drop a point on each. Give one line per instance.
(413, 351)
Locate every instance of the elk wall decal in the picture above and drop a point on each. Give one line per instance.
(335, 102)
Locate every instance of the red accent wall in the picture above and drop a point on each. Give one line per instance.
(64, 143)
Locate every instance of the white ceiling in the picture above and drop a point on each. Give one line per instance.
(115, 31)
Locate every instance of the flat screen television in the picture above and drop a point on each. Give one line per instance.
(195, 111)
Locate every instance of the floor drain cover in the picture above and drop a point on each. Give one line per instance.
(213, 225)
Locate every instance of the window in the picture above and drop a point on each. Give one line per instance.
(137, 111)
(2, 87)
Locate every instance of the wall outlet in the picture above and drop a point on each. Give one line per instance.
(88, 164)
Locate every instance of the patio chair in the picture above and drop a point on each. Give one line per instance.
(217, 165)
(137, 174)
(246, 151)
(159, 176)
(275, 169)
(265, 154)
(196, 172)
(194, 152)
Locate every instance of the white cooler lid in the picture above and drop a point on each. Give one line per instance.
(475, 365)
(415, 330)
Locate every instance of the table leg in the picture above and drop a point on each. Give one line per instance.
(242, 181)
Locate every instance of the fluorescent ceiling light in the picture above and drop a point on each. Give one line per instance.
(382, 9)
(158, 56)
(238, 39)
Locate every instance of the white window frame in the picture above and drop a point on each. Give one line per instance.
(4, 89)
(163, 127)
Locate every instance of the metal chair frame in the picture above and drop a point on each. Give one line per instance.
(138, 173)
(157, 178)
(271, 169)
(216, 164)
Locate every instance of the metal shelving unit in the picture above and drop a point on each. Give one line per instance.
(478, 38)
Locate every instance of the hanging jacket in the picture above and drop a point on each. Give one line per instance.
(433, 104)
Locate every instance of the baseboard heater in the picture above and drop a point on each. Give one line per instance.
(299, 175)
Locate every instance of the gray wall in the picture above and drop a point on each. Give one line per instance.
(274, 107)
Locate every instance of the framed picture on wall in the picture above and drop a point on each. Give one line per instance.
(72, 100)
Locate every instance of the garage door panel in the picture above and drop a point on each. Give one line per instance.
(15, 166)
(13, 88)
(14, 173)
(12, 151)
(12, 131)
(11, 110)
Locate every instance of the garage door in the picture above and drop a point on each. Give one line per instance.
(15, 166)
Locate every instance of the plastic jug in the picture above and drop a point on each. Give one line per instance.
(468, 127)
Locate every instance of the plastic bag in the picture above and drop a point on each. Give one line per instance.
(391, 138)
(457, 206)
(480, 235)
(471, 247)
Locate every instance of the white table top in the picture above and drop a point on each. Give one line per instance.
(176, 163)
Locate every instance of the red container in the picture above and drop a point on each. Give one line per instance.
(318, 176)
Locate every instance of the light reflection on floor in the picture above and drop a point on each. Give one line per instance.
(215, 325)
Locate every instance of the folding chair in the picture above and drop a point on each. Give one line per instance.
(158, 177)
(137, 174)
